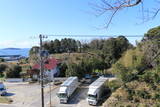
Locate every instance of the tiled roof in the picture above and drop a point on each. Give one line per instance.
(48, 64)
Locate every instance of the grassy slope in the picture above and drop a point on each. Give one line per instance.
(131, 95)
(72, 57)
(122, 97)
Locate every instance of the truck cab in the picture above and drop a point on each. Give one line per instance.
(96, 90)
(2, 89)
(92, 97)
(62, 94)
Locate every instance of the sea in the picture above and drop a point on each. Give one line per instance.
(15, 51)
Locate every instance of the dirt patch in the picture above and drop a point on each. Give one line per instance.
(5, 100)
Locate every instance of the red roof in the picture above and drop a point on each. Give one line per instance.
(48, 64)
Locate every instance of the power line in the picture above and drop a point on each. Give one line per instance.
(92, 35)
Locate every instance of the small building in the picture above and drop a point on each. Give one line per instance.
(51, 69)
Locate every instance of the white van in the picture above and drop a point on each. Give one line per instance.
(2, 89)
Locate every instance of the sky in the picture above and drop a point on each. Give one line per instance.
(21, 21)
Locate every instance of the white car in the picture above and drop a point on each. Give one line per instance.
(2, 89)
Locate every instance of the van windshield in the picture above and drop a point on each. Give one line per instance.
(1, 89)
(93, 97)
(62, 95)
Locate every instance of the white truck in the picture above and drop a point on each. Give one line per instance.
(96, 90)
(67, 89)
(2, 89)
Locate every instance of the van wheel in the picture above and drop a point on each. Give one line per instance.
(4, 94)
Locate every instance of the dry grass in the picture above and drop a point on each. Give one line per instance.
(5, 100)
(71, 57)
(132, 58)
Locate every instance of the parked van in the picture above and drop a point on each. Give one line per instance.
(2, 89)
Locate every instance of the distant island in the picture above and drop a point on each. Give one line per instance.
(12, 49)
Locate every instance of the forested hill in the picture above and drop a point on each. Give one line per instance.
(138, 71)
(99, 54)
(137, 68)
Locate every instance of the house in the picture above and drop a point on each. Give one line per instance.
(50, 69)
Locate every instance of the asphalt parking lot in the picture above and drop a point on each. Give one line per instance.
(29, 95)
(25, 95)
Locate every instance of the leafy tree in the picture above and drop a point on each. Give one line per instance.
(150, 46)
(85, 47)
(34, 50)
(63, 67)
(74, 70)
(2, 69)
(86, 66)
(2, 60)
(65, 45)
(69, 45)
(33, 54)
(13, 71)
(57, 46)
(153, 33)
(96, 44)
(113, 49)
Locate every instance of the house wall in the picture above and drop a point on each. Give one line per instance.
(51, 73)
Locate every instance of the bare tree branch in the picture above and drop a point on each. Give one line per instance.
(115, 5)
(126, 3)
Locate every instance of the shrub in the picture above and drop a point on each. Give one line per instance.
(2, 69)
(13, 71)
(113, 85)
(62, 68)
(124, 73)
(143, 94)
(156, 96)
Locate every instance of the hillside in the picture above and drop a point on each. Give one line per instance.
(71, 57)
(12, 49)
(139, 70)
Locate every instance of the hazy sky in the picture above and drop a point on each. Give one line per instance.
(22, 20)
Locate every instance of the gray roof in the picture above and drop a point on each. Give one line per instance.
(69, 81)
(98, 83)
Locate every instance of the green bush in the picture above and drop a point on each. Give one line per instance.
(62, 68)
(13, 71)
(2, 69)
(113, 85)
(156, 96)
(124, 73)
(143, 94)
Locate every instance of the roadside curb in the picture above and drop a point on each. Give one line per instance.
(5, 104)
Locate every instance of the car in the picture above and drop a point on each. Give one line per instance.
(88, 76)
(57, 82)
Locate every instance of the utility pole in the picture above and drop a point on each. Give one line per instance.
(50, 94)
(41, 70)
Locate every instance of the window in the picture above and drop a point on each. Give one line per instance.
(93, 97)
(62, 95)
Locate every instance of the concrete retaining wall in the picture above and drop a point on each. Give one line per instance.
(14, 80)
